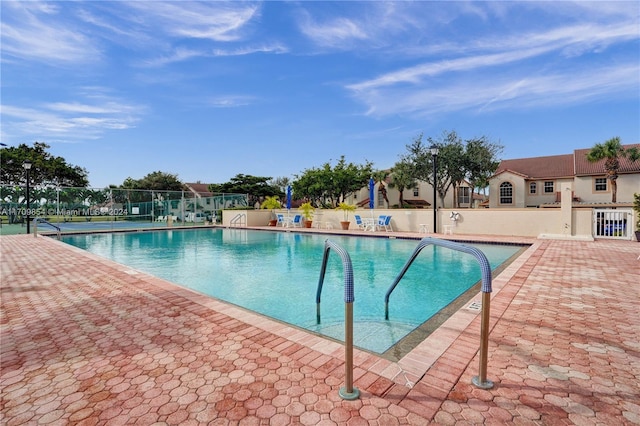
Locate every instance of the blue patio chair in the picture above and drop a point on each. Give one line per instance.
(359, 222)
(380, 222)
(387, 224)
(281, 221)
(297, 221)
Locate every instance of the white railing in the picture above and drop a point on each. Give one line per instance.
(612, 223)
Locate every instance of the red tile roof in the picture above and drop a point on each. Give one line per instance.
(561, 166)
(555, 166)
(584, 167)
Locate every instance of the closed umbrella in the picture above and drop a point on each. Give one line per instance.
(288, 199)
(372, 193)
(372, 186)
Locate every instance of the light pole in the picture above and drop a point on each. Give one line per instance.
(434, 158)
(27, 166)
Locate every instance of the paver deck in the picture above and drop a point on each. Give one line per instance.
(88, 341)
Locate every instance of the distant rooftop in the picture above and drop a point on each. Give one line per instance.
(563, 166)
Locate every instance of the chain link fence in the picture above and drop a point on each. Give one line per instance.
(77, 209)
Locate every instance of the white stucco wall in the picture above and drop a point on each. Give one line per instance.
(525, 222)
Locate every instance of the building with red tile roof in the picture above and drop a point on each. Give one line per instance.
(535, 182)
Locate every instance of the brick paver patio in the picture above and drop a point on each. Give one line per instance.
(88, 341)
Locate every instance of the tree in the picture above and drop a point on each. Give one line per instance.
(474, 160)
(256, 187)
(311, 185)
(46, 169)
(481, 162)
(331, 185)
(155, 181)
(281, 183)
(448, 165)
(612, 151)
(402, 177)
(160, 181)
(347, 179)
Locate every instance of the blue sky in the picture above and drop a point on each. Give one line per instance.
(212, 89)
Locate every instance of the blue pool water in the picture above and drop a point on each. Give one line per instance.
(277, 273)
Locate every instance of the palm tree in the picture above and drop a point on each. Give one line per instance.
(402, 178)
(612, 151)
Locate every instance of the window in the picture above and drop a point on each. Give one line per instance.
(600, 184)
(533, 188)
(463, 195)
(380, 199)
(506, 193)
(415, 192)
(548, 187)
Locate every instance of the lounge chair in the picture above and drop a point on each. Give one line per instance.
(387, 224)
(359, 222)
(380, 223)
(297, 221)
(281, 220)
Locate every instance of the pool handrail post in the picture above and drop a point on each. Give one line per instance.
(348, 392)
(481, 379)
(39, 219)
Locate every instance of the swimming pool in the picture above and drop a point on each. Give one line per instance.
(276, 274)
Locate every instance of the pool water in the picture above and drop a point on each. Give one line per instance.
(276, 274)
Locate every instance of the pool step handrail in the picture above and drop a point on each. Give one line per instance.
(239, 220)
(481, 379)
(347, 392)
(37, 220)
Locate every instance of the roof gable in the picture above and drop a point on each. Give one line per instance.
(199, 188)
(554, 166)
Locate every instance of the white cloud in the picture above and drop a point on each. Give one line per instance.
(230, 101)
(30, 31)
(527, 69)
(571, 41)
(68, 121)
(248, 50)
(487, 92)
(178, 55)
(218, 21)
(337, 33)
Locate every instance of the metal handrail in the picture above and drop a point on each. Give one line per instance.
(348, 391)
(480, 380)
(241, 218)
(37, 220)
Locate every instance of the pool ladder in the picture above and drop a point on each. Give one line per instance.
(347, 392)
(481, 379)
(239, 220)
(37, 220)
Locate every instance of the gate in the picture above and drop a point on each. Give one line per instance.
(612, 223)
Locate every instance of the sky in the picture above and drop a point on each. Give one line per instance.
(208, 90)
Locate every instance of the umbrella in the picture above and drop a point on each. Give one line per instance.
(289, 197)
(372, 193)
(372, 185)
